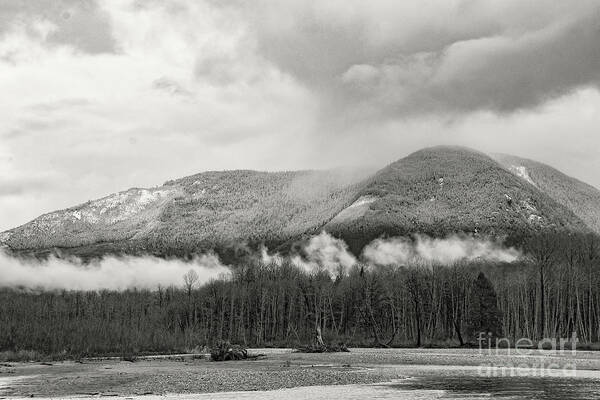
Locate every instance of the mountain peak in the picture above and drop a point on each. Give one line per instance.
(448, 189)
(447, 148)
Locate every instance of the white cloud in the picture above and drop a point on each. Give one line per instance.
(446, 251)
(327, 253)
(110, 273)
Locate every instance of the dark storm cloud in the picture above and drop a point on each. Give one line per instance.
(458, 56)
(79, 23)
(503, 74)
(512, 73)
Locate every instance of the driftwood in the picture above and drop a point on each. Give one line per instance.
(319, 345)
(225, 351)
(332, 348)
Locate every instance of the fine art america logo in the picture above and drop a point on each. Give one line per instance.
(549, 357)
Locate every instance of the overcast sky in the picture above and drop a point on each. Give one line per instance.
(99, 96)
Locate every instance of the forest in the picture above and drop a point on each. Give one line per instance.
(553, 292)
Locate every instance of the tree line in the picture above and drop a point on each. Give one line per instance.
(553, 292)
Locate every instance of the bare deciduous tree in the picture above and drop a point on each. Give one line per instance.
(190, 279)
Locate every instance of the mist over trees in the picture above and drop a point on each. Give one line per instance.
(553, 292)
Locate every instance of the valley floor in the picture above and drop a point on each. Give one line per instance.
(280, 369)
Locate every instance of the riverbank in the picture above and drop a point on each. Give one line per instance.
(280, 369)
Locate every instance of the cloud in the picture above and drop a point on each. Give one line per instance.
(393, 251)
(403, 251)
(78, 23)
(500, 73)
(14, 187)
(110, 273)
(72, 104)
(170, 86)
(399, 58)
(11, 188)
(270, 259)
(361, 74)
(324, 252)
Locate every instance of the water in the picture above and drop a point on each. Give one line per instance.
(447, 382)
(464, 387)
(522, 384)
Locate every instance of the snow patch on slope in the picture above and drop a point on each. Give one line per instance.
(522, 173)
(528, 206)
(363, 200)
(119, 206)
(355, 210)
(534, 217)
(106, 211)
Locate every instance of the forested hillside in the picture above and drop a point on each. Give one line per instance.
(441, 190)
(436, 191)
(581, 198)
(221, 211)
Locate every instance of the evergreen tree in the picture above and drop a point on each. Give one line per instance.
(484, 315)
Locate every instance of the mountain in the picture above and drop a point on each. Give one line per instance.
(441, 190)
(435, 191)
(211, 210)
